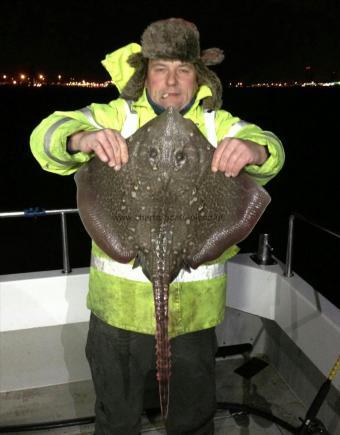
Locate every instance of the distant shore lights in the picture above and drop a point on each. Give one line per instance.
(41, 79)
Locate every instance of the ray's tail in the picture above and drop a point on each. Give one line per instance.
(163, 354)
(161, 285)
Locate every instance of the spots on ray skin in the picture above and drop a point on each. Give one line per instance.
(194, 199)
(132, 229)
(200, 207)
(135, 187)
(123, 207)
(187, 221)
(148, 187)
(134, 194)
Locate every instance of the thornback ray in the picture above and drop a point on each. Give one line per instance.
(167, 210)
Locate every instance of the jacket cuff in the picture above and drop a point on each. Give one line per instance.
(274, 162)
(55, 142)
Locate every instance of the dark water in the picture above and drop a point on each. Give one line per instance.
(302, 118)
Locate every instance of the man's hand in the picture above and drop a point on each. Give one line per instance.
(109, 145)
(233, 154)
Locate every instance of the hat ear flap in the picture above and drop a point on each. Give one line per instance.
(212, 56)
(135, 59)
(207, 77)
(135, 86)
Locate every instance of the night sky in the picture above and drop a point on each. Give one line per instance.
(262, 39)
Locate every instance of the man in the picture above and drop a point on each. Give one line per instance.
(168, 69)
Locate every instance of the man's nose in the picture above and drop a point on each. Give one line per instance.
(171, 78)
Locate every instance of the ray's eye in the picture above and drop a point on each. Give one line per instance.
(153, 153)
(180, 156)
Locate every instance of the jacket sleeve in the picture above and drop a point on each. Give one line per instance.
(230, 126)
(48, 140)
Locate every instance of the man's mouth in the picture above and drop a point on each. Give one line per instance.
(169, 94)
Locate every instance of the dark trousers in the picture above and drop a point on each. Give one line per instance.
(120, 362)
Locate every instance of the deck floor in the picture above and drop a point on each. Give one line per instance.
(266, 391)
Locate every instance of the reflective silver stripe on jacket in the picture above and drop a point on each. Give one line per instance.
(130, 125)
(48, 142)
(87, 112)
(209, 120)
(235, 128)
(122, 270)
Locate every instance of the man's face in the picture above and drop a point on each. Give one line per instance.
(171, 82)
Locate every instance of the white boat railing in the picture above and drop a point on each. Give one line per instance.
(38, 212)
(290, 240)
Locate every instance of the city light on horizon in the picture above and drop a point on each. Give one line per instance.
(42, 79)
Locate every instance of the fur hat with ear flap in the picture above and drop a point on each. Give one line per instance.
(175, 39)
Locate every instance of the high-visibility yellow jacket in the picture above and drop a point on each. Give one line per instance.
(118, 294)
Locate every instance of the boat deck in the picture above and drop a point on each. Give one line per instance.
(266, 390)
(282, 320)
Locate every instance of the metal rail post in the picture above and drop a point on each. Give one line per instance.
(289, 252)
(66, 259)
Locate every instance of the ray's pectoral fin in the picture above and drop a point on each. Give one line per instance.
(227, 211)
(100, 201)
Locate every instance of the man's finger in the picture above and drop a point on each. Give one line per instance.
(120, 151)
(236, 165)
(108, 143)
(230, 155)
(99, 151)
(218, 154)
(124, 154)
